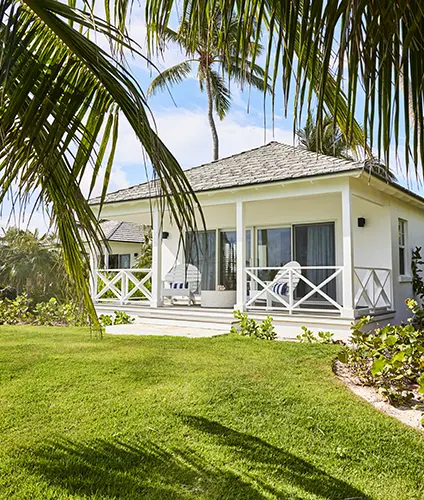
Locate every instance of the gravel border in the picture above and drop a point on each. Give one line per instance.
(404, 414)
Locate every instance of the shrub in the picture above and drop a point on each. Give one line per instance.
(118, 318)
(309, 337)
(19, 311)
(249, 327)
(390, 358)
(15, 311)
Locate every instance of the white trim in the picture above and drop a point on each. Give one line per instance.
(348, 304)
(156, 259)
(241, 288)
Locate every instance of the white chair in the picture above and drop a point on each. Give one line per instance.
(181, 281)
(281, 282)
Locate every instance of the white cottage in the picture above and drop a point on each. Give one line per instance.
(346, 234)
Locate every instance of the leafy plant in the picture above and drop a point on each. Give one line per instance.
(122, 318)
(105, 320)
(13, 312)
(249, 327)
(390, 358)
(308, 336)
(118, 318)
(266, 329)
(20, 311)
(416, 270)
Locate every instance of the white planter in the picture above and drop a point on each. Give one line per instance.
(218, 298)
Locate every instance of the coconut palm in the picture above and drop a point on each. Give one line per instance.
(320, 48)
(331, 142)
(32, 264)
(205, 60)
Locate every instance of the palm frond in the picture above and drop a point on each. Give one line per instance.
(60, 95)
(220, 93)
(169, 77)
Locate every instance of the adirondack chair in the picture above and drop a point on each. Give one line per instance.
(181, 281)
(281, 285)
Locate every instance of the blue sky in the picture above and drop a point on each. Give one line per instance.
(183, 126)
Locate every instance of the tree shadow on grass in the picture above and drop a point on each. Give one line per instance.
(264, 460)
(133, 469)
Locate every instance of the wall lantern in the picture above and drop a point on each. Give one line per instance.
(361, 221)
(136, 255)
(165, 235)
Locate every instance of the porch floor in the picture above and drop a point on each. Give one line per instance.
(196, 321)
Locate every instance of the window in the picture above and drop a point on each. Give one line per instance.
(403, 237)
(125, 261)
(119, 261)
(314, 246)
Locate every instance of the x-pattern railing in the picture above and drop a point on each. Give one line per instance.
(116, 282)
(372, 288)
(292, 276)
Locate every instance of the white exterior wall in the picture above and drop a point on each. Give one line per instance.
(372, 243)
(415, 237)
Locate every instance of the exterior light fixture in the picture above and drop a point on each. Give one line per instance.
(361, 221)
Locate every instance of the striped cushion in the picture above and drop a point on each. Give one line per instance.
(280, 288)
(179, 285)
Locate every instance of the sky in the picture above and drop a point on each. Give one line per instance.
(182, 124)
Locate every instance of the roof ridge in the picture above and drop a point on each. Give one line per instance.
(116, 229)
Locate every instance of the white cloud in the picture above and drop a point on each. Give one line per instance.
(187, 134)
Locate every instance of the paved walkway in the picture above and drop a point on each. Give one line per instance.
(162, 330)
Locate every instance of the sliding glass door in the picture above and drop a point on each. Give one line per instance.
(314, 246)
(273, 249)
(228, 257)
(201, 252)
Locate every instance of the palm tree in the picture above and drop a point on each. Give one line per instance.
(32, 264)
(211, 69)
(373, 48)
(61, 96)
(331, 142)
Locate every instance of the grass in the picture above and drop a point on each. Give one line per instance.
(174, 418)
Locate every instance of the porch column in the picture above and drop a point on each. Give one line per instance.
(93, 269)
(156, 259)
(348, 306)
(241, 256)
(106, 257)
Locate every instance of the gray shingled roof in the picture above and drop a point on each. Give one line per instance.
(122, 231)
(270, 163)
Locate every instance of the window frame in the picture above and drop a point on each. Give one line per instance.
(403, 245)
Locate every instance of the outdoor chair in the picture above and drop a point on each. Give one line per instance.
(181, 281)
(281, 285)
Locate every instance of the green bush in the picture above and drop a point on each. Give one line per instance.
(390, 358)
(14, 311)
(249, 327)
(20, 311)
(118, 318)
(308, 337)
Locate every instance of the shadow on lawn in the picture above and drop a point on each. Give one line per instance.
(147, 470)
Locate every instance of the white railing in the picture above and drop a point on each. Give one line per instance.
(314, 298)
(372, 289)
(123, 285)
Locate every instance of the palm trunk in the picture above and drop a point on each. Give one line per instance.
(210, 117)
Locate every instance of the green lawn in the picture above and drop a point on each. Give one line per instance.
(172, 418)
